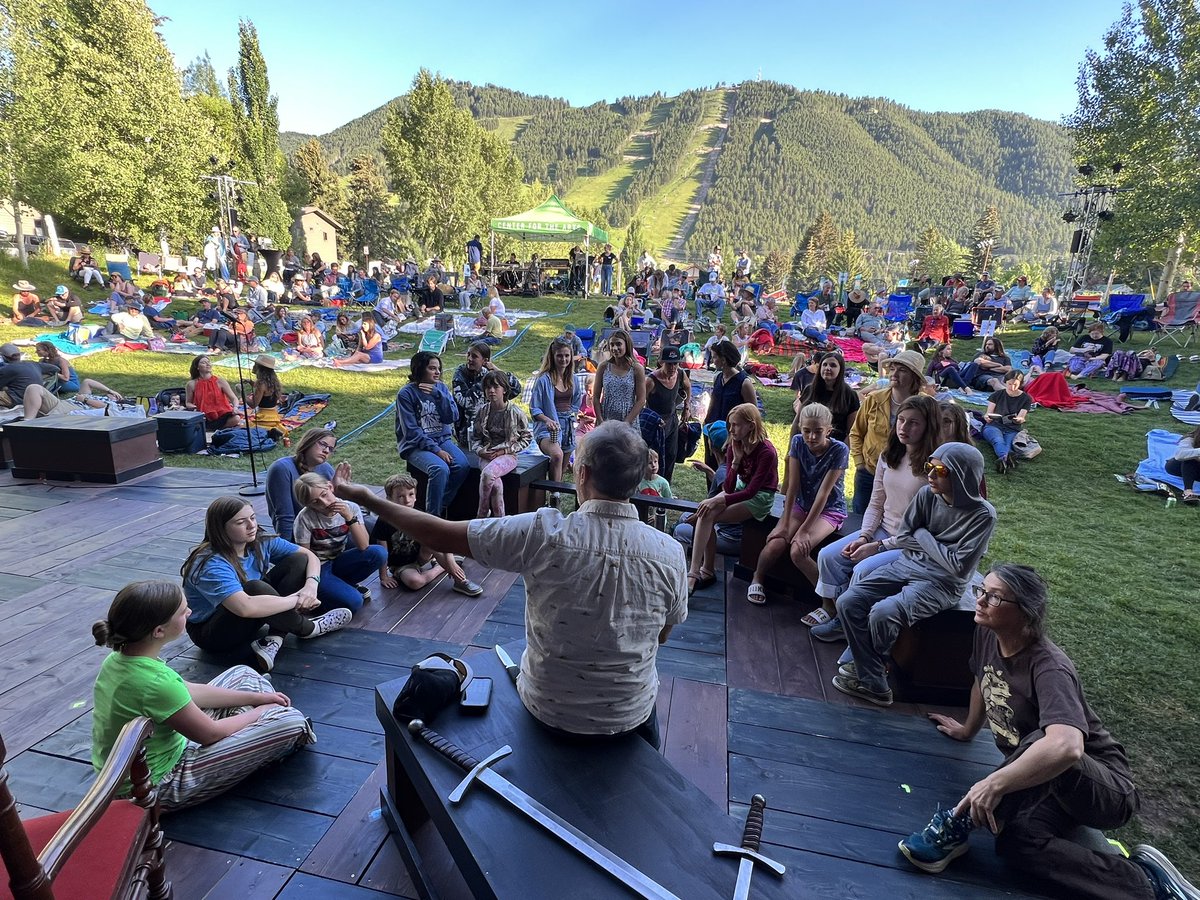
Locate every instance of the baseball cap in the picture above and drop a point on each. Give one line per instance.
(717, 432)
(569, 327)
(669, 355)
(712, 276)
(60, 291)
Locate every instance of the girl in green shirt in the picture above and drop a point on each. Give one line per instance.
(207, 737)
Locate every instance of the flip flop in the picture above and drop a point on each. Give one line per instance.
(817, 617)
(756, 594)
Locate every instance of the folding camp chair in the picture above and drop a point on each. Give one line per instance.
(1120, 305)
(149, 264)
(434, 341)
(587, 337)
(899, 307)
(120, 265)
(1180, 319)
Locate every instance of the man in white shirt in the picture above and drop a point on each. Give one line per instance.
(603, 589)
(131, 324)
(742, 265)
(645, 261)
(711, 296)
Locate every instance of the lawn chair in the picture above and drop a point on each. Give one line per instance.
(587, 337)
(899, 307)
(119, 263)
(149, 264)
(434, 341)
(1180, 319)
(1120, 305)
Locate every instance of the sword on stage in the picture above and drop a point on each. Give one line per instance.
(481, 771)
(748, 852)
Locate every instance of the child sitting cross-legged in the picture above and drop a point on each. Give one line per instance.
(207, 737)
(327, 526)
(407, 562)
(500, 431)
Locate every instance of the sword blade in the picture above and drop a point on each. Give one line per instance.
(742, 889)
(574, 838)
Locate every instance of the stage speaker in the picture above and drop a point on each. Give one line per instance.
(1078, 240)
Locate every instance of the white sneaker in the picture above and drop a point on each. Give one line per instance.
(265, 650)
(330, 621)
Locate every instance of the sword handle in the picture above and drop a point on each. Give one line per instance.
(752, 835)
(445, 746)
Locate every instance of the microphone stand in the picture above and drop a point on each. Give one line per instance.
(254, 489)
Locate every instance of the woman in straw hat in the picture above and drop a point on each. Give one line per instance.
(873, 423)
(267, 393)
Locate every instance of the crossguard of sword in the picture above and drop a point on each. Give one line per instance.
(457, 755)
(751, 838)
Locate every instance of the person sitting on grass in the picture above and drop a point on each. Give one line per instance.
(64, 307)
(943, 369)
(207, 737)
(240, 578)
(326, 526)
(899, 474)
(877, 353)
(812, 323)
(499, 432)
(986, 372)
(310, 343)
(944, 534)
(131, 324)
(1004, 419)
(67, 379)
(370, 345)
(815, 506)
(1090, 352)
(408, 563)
(1042, 352)
(1062, 768)
(1185, 464)
(211, 395)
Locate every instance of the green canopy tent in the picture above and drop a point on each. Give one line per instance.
(551, 221)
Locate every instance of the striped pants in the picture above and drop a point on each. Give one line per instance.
(203, 772)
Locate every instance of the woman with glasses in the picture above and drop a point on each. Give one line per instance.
(311, 455)
(944, 534)
(1061, 768)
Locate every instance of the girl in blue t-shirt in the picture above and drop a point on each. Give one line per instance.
(239, 579)
(816, 498)
(207, 737)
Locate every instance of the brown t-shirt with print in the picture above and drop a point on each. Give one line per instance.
(1034, 688)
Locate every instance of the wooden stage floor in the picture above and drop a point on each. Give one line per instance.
(745, 707)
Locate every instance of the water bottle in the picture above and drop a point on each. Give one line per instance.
(153, 406)
(660, 519)
(1171, 502)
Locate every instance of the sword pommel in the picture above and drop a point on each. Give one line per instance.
(752, 835)
(447, 748)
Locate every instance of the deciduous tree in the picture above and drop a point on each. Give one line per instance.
(1139, 105)
(984, 234)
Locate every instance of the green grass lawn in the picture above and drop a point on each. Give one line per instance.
(1123, 569)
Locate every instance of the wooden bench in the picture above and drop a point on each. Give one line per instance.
(622, 794)
(104, 449)
(519, 495)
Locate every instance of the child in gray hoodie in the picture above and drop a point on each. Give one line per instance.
(944, 534)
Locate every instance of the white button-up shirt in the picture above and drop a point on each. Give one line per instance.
(600, 586)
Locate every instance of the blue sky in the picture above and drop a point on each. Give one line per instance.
(329, 63)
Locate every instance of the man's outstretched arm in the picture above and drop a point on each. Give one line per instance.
(433, 532)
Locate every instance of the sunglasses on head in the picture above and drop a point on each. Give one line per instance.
(932, 468)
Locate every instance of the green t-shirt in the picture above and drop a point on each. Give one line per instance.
(132, 686)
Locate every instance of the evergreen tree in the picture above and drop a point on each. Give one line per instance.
(1139, 105)
(256, 124)
(797, 279)
(450, 175)
(322, 186)
(374, 221)
(635, 243)
(846, 256)
(937, 255)
(817, 245)
(773, 269)
(983, 240)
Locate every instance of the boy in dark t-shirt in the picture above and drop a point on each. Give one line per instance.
(408, 563)
(1061, 768)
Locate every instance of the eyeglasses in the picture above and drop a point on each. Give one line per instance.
(991, 597)
(325, 445)
(932, 468)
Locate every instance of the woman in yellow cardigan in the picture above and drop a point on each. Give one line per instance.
(869, 434)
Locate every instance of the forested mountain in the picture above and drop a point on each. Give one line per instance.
(880, 169)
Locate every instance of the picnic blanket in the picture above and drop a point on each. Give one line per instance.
(303, 410)
(851, 348)
(65, 347)
(1160, 446)
(1051, 390)
(976, 398)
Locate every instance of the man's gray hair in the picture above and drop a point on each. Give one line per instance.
(616, 457)
(1030, 593)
